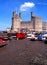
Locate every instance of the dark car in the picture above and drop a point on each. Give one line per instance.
(45, 40)
(12, 37)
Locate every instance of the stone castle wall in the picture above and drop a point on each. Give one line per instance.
(35, 24)
(44, 26)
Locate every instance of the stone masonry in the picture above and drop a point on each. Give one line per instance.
(35, 24)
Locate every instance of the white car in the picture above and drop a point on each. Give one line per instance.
(31, 36)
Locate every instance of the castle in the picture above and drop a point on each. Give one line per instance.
(35, 24)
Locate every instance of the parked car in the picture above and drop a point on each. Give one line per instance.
(5, 38)
(41, 37)
(2, 42)
(12, 37)
(32, 36)
(45, 41)
(36, 38)
(45, 35)
(20, 36)
(29, 35)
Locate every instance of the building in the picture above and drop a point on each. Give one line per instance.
(35, 24)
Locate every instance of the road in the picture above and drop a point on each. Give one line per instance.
(21, 52)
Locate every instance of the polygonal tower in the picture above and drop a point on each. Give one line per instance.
(36, 22)
(16, 21)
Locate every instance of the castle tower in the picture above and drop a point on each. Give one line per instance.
(20, 15)
(16, 21)
(37, 23)
(32, 15)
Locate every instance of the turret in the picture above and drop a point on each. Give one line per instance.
(32, 14)
(20, 15)
(15, 15)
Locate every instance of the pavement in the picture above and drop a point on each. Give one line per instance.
(21, 52)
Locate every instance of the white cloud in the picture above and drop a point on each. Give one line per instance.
(26, 6)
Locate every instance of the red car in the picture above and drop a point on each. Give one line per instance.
(3, 42)
(21, 36)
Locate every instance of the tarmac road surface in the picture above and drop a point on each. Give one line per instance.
(20, 52)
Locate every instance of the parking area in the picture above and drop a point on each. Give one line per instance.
(21, 52)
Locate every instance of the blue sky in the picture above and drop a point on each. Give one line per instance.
(39, 7)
